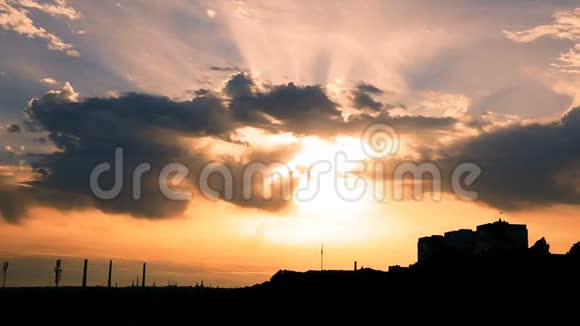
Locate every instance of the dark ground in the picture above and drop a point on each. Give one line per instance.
(497, 290)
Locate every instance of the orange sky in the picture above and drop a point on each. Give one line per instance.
(383, 235)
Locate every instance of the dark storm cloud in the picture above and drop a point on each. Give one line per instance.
(362, 97)
(87, 133)
(147, 128)
(301, 109)
(12, 127)
(287, 107)
(239, 85)
(523, 166)
(526, 166)
(420, 130)
(309, 110)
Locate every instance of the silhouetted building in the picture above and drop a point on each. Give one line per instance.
(431, 248)
(460, 243)
(495, 238)
(501, 238)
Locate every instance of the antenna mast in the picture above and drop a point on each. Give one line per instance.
(110, 272)
(57, 272)
(322, 256)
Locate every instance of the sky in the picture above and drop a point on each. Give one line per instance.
(200, 91)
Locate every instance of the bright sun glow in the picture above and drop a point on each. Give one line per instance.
(324, 215)
(316, 149)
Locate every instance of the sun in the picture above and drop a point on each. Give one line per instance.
(325, 191)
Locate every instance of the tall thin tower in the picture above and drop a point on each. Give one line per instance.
(110, 273)
(143, 278)
(85, 273)
(322, 256)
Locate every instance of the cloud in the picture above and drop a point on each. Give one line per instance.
(159, 130)
(363, 97)
(14, 17)
(239, 85)
(65, 95)
(57, 7)
(443, 104)
(151, 129)
(232, 68)
(565, 26)
(524, 166)
(570, 61)
(49, 81)
(368, 88)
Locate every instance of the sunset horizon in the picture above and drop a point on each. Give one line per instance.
(223, 141)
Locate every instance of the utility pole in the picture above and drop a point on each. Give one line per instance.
(322, 256)
(4, 271)
(143, 278)
(57, 272)
(85, 273)
(110, 272)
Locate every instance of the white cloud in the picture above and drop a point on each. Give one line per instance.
(565, 26)
(49, 81)
(73, 53)
(65, 95)
(494, 120)
(58, 7)
(210, 13)
(569, 61)
(14, 17)
(442, 104)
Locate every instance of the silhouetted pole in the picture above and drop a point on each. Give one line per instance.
(57, 272)
(4, 271)
(110, 272)
(355, 265)
(143, 278)
(85, 273)
(322, 257)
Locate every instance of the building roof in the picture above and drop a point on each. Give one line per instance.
(501, 223)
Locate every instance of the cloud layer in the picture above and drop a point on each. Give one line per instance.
(534, 164)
